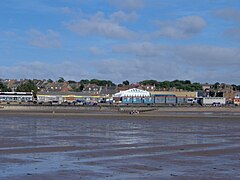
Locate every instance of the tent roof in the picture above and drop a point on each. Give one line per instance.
(132, 92)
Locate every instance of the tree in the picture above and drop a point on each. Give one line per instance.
(72, 82)
(235, 87)
(164, 85)
(187, 82)
(94, 81)
(84, 81)
(126, 82)
(50, 81)
(28, 86)
(61, 80)
(197, 87)
(216, 85)
(97, 82)
(4, 88)
(81, 87)
(149, 82)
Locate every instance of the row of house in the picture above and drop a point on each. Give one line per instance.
(46, 87)
(130, 96)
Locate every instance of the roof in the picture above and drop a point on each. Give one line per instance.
(64, 93)
(108, 90)
(237, 93)
(176, 93)
(132, 92)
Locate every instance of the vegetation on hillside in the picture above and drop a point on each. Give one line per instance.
(101, 82)
(28, 86)
(184, 85)
(236, 87)
(78, 86)
(4, 88)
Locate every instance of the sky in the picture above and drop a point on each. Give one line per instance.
(121, 40)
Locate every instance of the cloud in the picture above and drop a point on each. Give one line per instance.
(208, 57)
(136, 69)
(66, 10)
(50, 39)
(37, 6)
(10, 34)
(182, 28)
(96, 51)
(233, 33)
(43, 70)
(149, 61)
(128, 4)
(101, 26)
(122, 16)
(193, 55)
(228, 14)
(194, 62)
(144, 49)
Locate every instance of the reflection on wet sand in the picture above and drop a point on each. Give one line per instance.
(119, 148)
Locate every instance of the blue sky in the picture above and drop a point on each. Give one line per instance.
(121, 39)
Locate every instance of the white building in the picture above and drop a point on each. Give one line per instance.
(213, 101)
(132, 93)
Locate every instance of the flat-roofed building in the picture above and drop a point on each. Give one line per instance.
(184, 94)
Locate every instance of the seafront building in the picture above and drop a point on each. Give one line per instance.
(131, 96)
(183, 94)
(66, 92)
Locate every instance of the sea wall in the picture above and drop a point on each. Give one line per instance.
(114, 108)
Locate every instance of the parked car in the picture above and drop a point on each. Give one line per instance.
(80, 102)
(216, 104)
(91, 103)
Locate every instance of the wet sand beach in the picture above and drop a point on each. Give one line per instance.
(98, 111)
(115, 145)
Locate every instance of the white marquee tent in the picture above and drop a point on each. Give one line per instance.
(132, 93)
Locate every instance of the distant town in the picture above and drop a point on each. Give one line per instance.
(183, 91)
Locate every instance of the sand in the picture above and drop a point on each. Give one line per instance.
(122, 111)
(168, 143)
